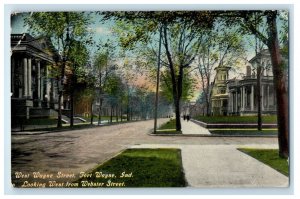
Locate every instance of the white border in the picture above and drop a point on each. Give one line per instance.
(5, 102)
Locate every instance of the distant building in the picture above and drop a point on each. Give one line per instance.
(219, 95)
(239, 96)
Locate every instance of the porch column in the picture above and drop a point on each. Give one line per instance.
(268, 98)
(39, 79)
(236, 101)
(25, 83)
(12, 79)
(29, 91)
(47, 84)
(232, 98)
(243, 98)
(252, 97)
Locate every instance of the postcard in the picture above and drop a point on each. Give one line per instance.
(169, 98)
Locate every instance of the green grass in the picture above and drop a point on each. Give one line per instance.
(243, 132)
(95, 118)
(270, 119)
(168, 128)
(149, 168)
(40, 121)
(171, 124)
(66, 127)
(269, 157)
(168, 131)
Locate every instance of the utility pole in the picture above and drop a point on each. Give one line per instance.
(157, 80)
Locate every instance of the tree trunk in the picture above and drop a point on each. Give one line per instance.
(128, 108)
(111, 113)
(280, 83)
(73, 82)
(92, 116)
(59, 116)
(175, 86)
(117, 113)
(72, 108)
(121, 113)
(177, 115)
(99, 112)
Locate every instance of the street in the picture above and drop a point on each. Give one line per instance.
(72, 152)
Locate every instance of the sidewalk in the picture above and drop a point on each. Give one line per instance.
(216, 166)
(189, 127)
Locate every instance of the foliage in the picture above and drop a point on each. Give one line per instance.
(188, 87)
(60, 27)
(63, 29)
(220, 47)
(178, 32)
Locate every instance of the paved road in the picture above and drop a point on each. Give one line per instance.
(82, 150)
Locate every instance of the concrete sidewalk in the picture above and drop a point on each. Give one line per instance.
(189, 127)
(224, 166)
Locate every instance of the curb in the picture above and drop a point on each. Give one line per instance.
(220, 126)
(203, 135)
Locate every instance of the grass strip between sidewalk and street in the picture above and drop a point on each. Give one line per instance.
(269, 157)
(168, 128)
(143, 168)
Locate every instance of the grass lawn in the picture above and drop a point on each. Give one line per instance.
(270, 119)
(66, 127)
(269, 157)
(168, 128)
(243, 132)
(40, 121)
(145, 168)
(103, 118)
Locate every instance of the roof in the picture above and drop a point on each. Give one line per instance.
(39, 47)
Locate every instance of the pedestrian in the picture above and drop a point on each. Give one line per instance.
(188, 117)
(184, 117)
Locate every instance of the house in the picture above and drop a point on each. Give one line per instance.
(239, 96)
(33, 92)
(219, 95)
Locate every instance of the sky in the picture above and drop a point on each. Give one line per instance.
(102, 31)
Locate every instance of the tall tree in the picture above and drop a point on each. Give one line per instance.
(219, 47)
(248, 20)
(61, 28)
(78, 57)
(279, 72)
(179, 40)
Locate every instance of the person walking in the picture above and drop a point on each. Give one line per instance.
(188, 117)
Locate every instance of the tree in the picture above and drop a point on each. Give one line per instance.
(78, 57)
(61, 28)
(113, 87)
(279, 72)
(179, 40)
(188, 86)
(103, 68)
(219, 47)
(248, 20)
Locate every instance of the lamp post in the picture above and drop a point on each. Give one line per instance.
(157, 80)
